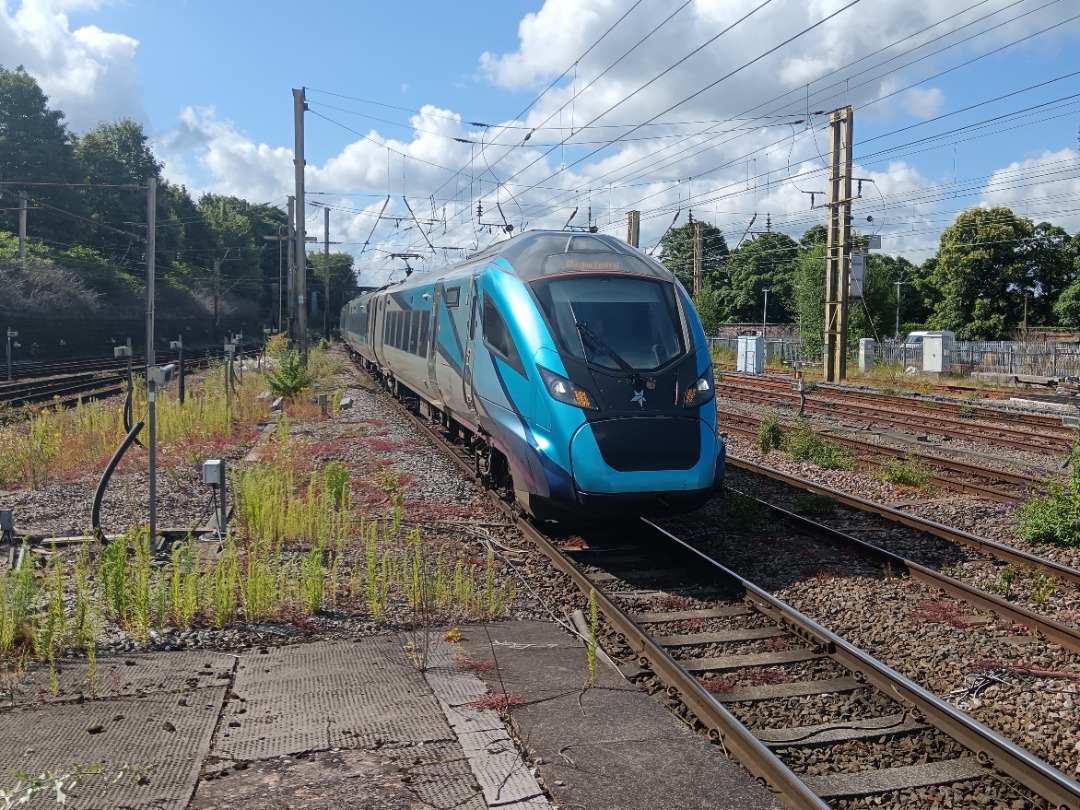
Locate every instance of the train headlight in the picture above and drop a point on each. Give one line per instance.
(700, 392)
(562, 390)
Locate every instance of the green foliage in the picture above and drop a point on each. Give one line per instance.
(60, 783)
(1051, 514)
(906, 472)
(980, 274)
(746, 513)
(770, 435)
(805, 445)
(767, 261)
(677, 254)
(336, 482)
(290, 377)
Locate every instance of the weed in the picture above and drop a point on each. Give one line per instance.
(465, 664)
(770, 435)
(718, 685)
(336, 482)
(1006, 579)
(498, 702)
(906, 472)
(671, 602)
(1051, 514)
(290, 377)
(1042, 587)
(746, 513)
(949, 613)
(805, 445)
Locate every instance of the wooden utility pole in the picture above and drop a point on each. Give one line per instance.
(698, 258)
(299, 105)
(633, 227)
(838, 244)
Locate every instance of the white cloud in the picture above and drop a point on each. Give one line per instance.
(923, 103)
(1044, 188)
(88, 73)
(208, 154)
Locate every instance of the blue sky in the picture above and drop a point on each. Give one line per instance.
(393, 86)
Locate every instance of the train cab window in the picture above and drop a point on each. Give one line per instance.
(605, 319)
(497, 336)
(452, 296)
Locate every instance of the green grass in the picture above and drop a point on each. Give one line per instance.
(906, 472)
(804, 444)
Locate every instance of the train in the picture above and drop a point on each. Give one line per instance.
(573, 365)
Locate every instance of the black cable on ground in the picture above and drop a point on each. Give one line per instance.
(95, 512)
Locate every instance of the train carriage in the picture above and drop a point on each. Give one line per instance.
(574, 365)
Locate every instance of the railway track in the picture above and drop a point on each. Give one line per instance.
(1043, 440)
(991, 548)
(674, 609)
(747, 666)
(91, 380)
(1002, 486)
(967, 409)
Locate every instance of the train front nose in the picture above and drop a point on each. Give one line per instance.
(646, 455)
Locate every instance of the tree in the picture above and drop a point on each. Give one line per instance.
(1049, 257)
(343, 285)
(808, 295)
(765, 262)
(117, 155)
(35, 147)
(980, 274)
(1067, 307)
(234, 266)
(817, 235)
(677, 254)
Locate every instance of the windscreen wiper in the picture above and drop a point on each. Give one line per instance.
(635, 378)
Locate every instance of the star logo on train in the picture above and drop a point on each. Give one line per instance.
(639, 398)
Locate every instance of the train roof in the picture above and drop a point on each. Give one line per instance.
(535, 254)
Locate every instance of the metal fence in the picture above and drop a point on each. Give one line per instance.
(1037, 359)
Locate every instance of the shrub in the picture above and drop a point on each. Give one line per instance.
(1051, 514)
(806, 445)
(290, 377)
(770, 435)
(905, 472)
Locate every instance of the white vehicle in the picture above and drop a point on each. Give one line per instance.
(915, 339)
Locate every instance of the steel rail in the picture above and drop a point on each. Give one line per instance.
(991, 547)
(722, 725)
(909, 403)
(1043, 627)
(726, 729)
(943, 426)
(942, 481)
(990, 747)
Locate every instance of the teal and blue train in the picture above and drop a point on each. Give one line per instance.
(574, 366)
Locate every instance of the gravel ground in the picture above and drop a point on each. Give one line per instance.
(1027, 692)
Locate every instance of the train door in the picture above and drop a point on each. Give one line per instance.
(378, 315)
(433, 342)
(470, 346)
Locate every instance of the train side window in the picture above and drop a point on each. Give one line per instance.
(497, 336)
(452, 296)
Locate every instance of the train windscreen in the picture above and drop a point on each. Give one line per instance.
(613, 321)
